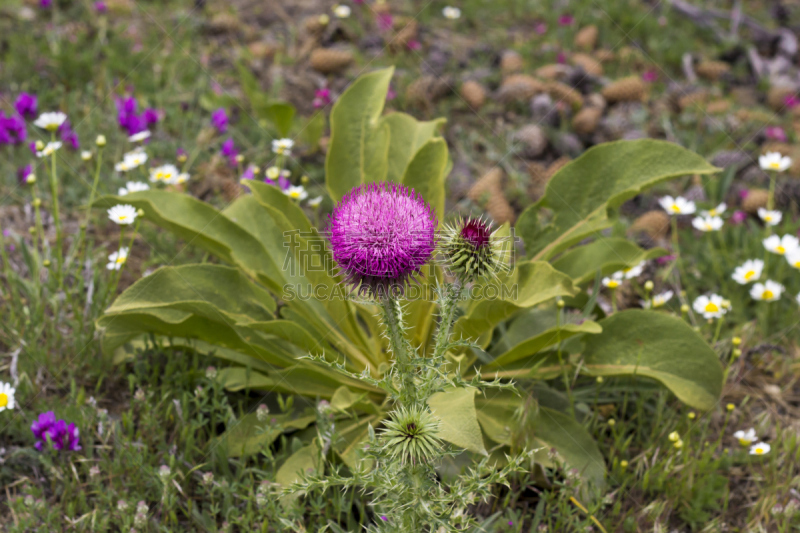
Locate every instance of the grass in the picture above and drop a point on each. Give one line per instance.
(164, 409)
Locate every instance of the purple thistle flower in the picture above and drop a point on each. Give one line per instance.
(26, 105)
(23, 173)
(650, 75)
(68, 136)
(100, 7)
(381, 235)
(219, 119)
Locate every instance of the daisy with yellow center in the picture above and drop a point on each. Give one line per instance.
(613, 281)
(762, 448)
(296, 193)
(748, 272)
(707, 223)
(793, 258)
(117, 259)
(164, 173)
(6, 396)
(659, 300)
(677, 206)
(774, 161)
(50, 121)
(770, 218)
(273, 173)
(634, 271)
(282, 146)
(746, 438)
(49, 149)
(711, 306)
(769, 291)
(122, 214)
(715, 211)
(781, 245)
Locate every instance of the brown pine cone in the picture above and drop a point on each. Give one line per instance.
(473, 93)
(532, 141)
(563, 92)
(510, 62)
(589, 64)
(587, 119)
(755, 199)
(499, 208)
(330, 60)
(654, 224)
(519, 88)
(481, 189)
(426, 90)
(553, 72)
(712, 70)
(693, 100)
(630, 89)
(586, 38)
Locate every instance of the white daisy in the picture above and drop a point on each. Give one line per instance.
(451, 13)
(770, 218)
(122, 214)
(715, 211)
(164, 173)
(181, 178)
(711, 306)
(6, 396)
(634, 271)
(677, 206)
(122, 166)
(117, 259)
(707, 223)
(614, 281)
(658, 300)
(282, 146)
(774, 161)
(762, 448)
(49, 149)
(133, 186)
(341, 11)
(781, 245)
(142, 135)
(134, 159)
(769, 291)
(296, 193)
(315, 202)
(749, 271)
(793, 258)
(86, 155)
(746, 438)
(50, 121)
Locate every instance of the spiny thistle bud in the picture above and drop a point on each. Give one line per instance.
(469, 250)
(411, 435)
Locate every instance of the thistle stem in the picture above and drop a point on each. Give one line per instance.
(393, 317)
(451, 294)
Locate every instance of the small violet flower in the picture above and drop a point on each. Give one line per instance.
(775, 133)
(61, 435)
(219, 119)
(26, 104)
(566, 20)
(322, 97)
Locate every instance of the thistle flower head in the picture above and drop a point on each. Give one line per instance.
(469, 249)
(382, 234)
(410, 434)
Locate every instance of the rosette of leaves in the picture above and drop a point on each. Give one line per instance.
(265, 245)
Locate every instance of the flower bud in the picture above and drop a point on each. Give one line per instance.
(39, 145)
(100, 141)
(86, 155)
(623, 464)
(31, 179)
(37, 202)
(560, 304)
(684, 309)
(46, 263)
(469, 250)
(736, 341)
(648, 285)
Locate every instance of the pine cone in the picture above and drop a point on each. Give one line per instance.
(586, 38)
(426, 90)
(499, 208)
(718, 107)
(330, 60)
(563, 92)
(587, 119)
(712, 70)
(553, 72)
(630, 89)
(755, 199)
(604, 56)
(491, 181)
(589, 64)
(532, 140)
(519, 88)
(510, 62)
(776, 97)
(474, 94)
(654, 224)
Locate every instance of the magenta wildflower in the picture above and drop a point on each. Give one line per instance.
(665, 259)
(61, 435)
(561, 58)
(150, 116)
(391, 94)
(181, 155)
(100, 7)
(322, 97)
(26, 104)
(385, 21)
(229, 150)
(45, 4)
(565, 20)
(744, 193)
(23, 173)
(738, 217)
(540, 28)
(791, 100)
(650, 75)
(414, 45)
(130, 120)
(68, 136)
(249, 173)
(382, 234)
(12, 129)
(219, 119)
(775, 133)
(383, 517)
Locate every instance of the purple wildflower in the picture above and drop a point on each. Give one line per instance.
(391, 94)
(665, 259)
(322, 97)
(566, 20)
(381, 235)
(738, 217)
(540, 28)
(249, 173)
(744, 193)
(229, 150)
(58, 432)
(31, 146)
(42, 426)
(181, 155)
(100, 7)
(775, 133)
(791, 101)
(561, 58)
(383, 517)
(129, 120)
(12, 129)
(650, 75)
(219, 119)
(45, 4)
(150, 116)
(385, 21)
(68, 136)
(26, 105)
(23, 173)
(284, 183)
(414, 45)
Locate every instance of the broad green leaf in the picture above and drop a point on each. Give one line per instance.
(545, 429)
(343, 399)
(359, 146)
(407, 135)
(305, 379)
(247, 435)
(606, 255)
(585, 193)
(352, 436)
(292, 332)
(282, 115)
(458, 421)
(657, 346)
(535, 344)
(529, 284)
(426, 173)
(303, 461)
(312, 131)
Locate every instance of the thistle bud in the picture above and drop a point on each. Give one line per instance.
(411, 435)
(100, 141)
(469, 250)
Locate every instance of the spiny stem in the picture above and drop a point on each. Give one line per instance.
(393, 317)
(448, 302)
